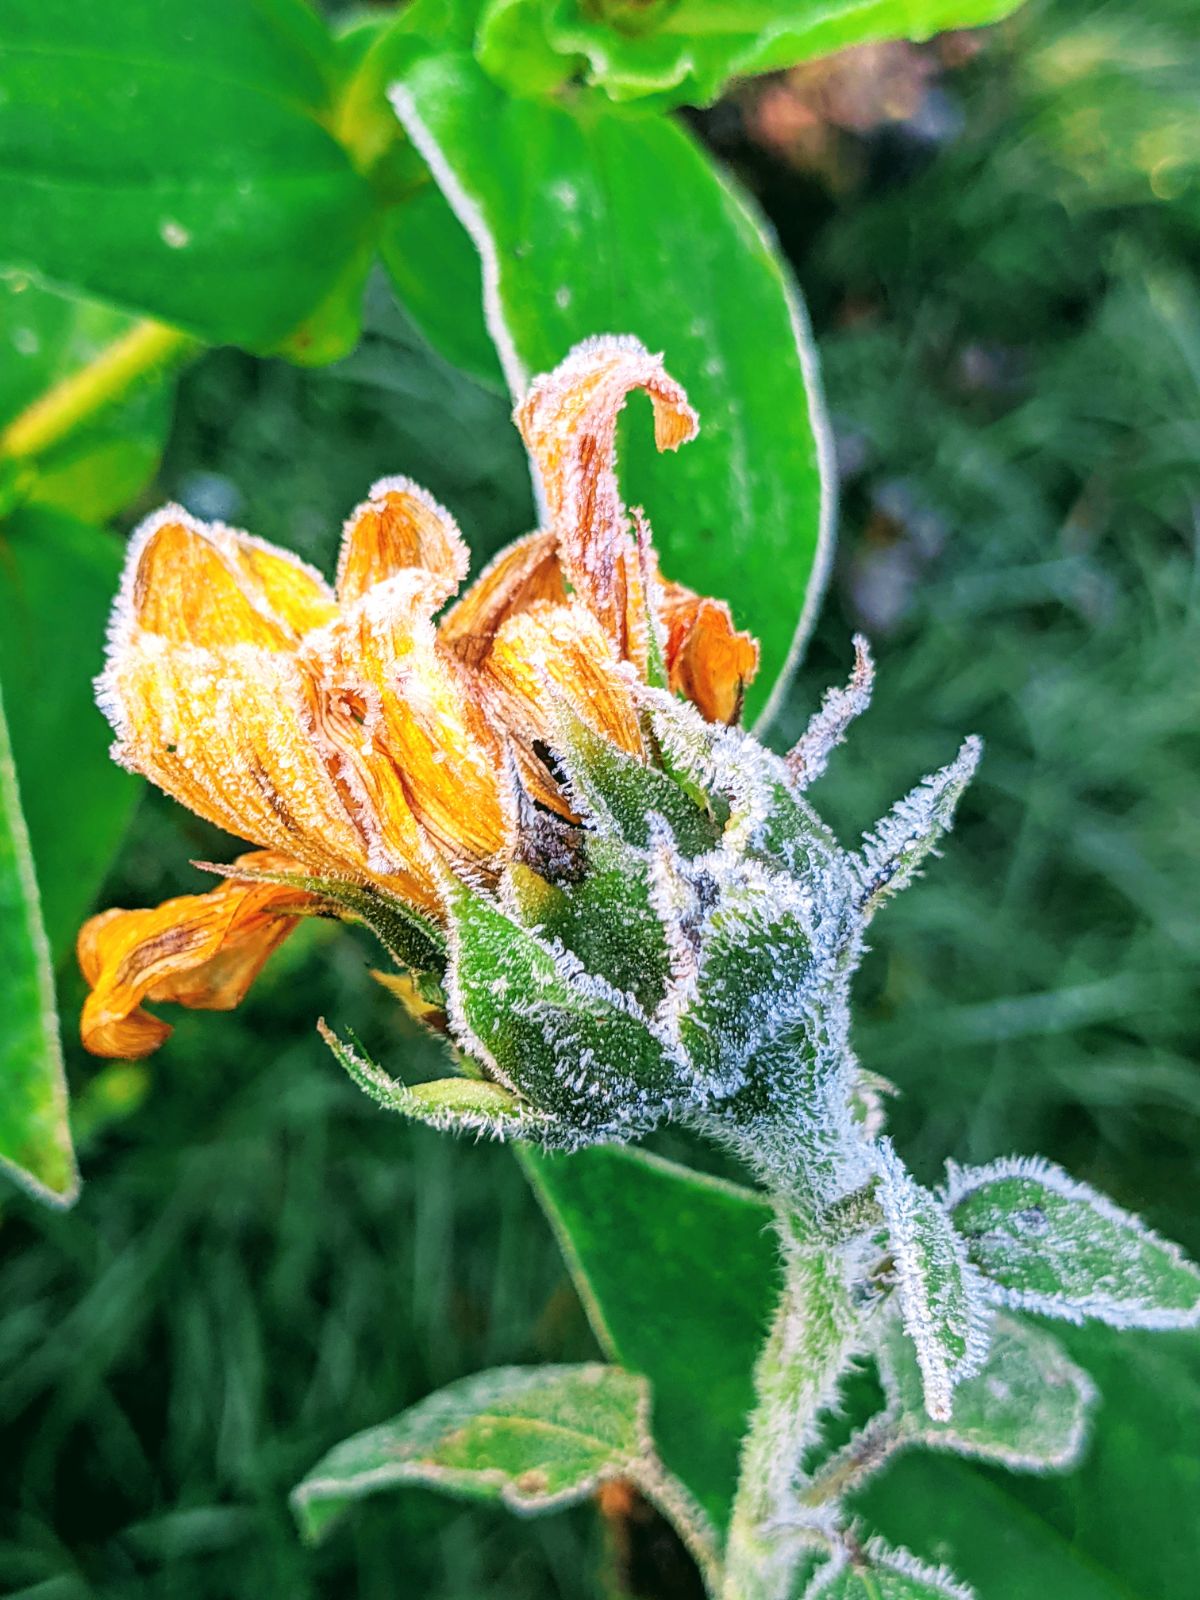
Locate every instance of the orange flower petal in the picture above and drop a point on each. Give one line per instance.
(404, 720)
(708, 661)
(568, 421)
(526, 571)
(564, 648)
(200, 950)
(399, 527)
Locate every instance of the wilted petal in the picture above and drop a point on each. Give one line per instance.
(564, 650)
(400, 711)
(200, 950)
(400, 527)
(525, 572)
(568, 421)
(708, 661)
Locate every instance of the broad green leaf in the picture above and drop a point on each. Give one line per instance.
(589, 222)
(174, 158)
(879, 1573)
(1047, 1243)
(1026, 1408)
(941, 1300)
(57, 580)
(675, 52)
(678, 1273)
(46, 337)
(35, 1142)
(533, 1438)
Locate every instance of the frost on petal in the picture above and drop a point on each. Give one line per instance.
(559, 648)
(400, 527)
(402, 716)
(568, 421)
(526, 572)
(199, 950)
(708, 661)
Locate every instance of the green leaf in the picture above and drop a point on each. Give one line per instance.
(940, 1297)
(175, 158)
(57, 580)
(35, 1142)
(104, 463)
(588, 222)
(533, 1438)
(675, 52)
(678, 1273)
(1047, 1243)
(879, 1573)
(1026, 1408)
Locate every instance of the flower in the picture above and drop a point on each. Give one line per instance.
(366, 749)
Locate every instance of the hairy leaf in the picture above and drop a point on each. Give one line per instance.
(879, 1573)
(590, 223)
(1047, 1243)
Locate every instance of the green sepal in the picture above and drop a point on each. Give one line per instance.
(566, 1040)
(621, 793)
(1049, 1244)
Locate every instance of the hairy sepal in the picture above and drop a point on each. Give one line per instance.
(1044, 1242)
(892, 853)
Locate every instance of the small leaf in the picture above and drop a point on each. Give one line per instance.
(941, 1299)
(1047, 1243)
(1026, 1408)
(35, 1142)
(684, 53)
(895, 848)
(533, 1438)
(877, 1572)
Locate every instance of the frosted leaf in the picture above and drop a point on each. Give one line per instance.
(1047, 1243)
(878, 1572)
(940, 1292)
(1027, 1408)
(893, 852)
(809, 757)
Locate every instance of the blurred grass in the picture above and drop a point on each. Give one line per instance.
(262, 1262)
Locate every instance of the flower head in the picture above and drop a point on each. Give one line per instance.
(374, 753)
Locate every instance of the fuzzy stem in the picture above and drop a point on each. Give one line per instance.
(102, 381)
(811, 1343)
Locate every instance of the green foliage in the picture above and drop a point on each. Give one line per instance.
(1049, 1244)
(35, 1144)
(574, 242)
(533, 1438)
(877, 1573)
(674, 52)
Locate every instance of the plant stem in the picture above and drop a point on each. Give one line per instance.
(102, 381)
(811, 1342)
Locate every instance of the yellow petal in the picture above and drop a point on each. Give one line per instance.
(202, 951)
(401, 712)
(708, 661)
(526, 571)
(568, 421)
(563, 648)
(400, 527)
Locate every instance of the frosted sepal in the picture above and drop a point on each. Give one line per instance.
(893, 852)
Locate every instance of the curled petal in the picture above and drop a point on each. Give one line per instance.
(401, 712)
(400, 527)
(708, 661)
(523, 573)
(200, 950)
(568, 421)
(564, 649)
